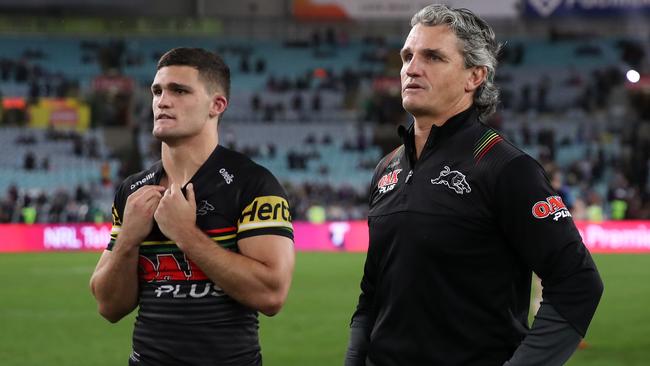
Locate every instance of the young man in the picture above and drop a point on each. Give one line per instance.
(458, 220)
(202, 240)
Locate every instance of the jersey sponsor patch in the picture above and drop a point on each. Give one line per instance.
(454, 180)
(194, 290)
(388, 181)
(142, 181)
(552, 206)
(265, 212)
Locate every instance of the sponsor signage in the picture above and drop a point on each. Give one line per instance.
(393, 9)
(43, 237)
(66, 113)
(347, 236)
(556, 8)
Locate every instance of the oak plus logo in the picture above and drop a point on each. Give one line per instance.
(552, 206)
(388, 181)
(454, 180)
(545, 7)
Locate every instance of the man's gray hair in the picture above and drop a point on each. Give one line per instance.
(479, 47)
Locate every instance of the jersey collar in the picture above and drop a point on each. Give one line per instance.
(448, 129)
(201, 176)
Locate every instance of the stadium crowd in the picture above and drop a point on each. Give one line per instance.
(598, 185)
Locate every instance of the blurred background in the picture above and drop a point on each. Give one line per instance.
(315, 99)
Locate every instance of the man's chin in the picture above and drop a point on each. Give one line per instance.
(413, 108)
(164, 136)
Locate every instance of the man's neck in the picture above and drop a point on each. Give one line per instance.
(423, 124)
(182, 161)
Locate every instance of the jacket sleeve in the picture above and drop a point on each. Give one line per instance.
(550, 342)
(541, 231)
(363, 318)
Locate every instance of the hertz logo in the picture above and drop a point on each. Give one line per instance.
(265, 212)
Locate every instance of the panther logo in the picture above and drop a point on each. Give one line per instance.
(203, 208)
(454, 180)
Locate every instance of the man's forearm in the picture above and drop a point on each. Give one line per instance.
(358, 343)
(550, 341)
(115, 283)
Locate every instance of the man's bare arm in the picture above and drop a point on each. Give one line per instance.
(114, 283)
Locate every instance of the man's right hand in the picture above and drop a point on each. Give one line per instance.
(138, 213)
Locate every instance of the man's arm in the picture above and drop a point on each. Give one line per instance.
(540, 230)
(114, 283)
(550, 341)
(258, 277)
(362, 321)
(363, 318)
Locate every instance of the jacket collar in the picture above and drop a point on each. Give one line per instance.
(437, 134)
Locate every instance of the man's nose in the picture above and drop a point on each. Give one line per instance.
(412, 68)
(163, 100)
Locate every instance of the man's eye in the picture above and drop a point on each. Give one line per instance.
(408, 57)
(180, 91)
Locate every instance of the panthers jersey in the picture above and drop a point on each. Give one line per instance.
(183, 317)
(454, 236)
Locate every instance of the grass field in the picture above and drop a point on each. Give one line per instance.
(48, 317)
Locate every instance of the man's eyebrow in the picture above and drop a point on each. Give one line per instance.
(427, 52)
(178, 85)
(435, 52)
(171, 85)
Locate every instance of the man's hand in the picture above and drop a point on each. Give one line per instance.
(176, 214)
(139, 212)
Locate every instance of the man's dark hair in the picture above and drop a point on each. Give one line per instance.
(212, 69)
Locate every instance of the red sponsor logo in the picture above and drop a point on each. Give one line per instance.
(388, 181)
(552, 206)
(169, 267)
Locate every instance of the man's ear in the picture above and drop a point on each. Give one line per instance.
(476, 78)
(218, 105)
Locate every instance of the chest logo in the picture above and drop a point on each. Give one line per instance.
(388, 181)
(226, 176)
(454, 180)
(203, 208)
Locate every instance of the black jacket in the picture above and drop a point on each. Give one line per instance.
(454, 237)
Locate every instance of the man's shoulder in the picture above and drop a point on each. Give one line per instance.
(390, 160)
(245, 167)
(491, 148)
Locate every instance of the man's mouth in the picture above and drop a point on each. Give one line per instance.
(164, 116)
(413, 86)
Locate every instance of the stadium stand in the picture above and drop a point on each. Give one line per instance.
(313, 113)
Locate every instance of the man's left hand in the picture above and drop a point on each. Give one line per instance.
(176, 214)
